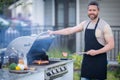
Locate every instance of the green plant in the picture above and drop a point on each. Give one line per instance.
(117, 71)
(77, 60)
(57, 53)
(76, 75)
(118, 58)
(110, 75)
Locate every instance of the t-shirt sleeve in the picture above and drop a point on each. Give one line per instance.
(80, 26)
(108, 31)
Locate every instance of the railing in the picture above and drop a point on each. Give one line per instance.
(60, 41)
(112, 55)
(7, 34)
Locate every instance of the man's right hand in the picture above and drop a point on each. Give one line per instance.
(50, 32)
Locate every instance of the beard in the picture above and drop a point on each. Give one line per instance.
(92, 16)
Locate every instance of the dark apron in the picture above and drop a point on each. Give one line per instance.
(93, 67)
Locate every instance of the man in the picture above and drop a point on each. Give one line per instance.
(98, 40)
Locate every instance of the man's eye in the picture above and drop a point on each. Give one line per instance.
(94, 10)
(90, 10)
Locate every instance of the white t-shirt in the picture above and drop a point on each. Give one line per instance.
(100, 30)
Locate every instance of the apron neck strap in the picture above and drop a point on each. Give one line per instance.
(95, 24)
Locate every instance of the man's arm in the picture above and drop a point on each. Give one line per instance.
(69, 30)
(109, 42)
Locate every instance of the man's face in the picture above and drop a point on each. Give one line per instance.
(93, 12)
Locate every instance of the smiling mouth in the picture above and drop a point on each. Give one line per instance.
(92, 15)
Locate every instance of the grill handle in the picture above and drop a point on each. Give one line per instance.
(44, 35)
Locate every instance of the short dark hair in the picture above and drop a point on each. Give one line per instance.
(94, 3)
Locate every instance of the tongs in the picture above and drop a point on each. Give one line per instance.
(81, 53)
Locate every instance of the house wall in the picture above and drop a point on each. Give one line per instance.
(38, 12)
(23, 7)
(83, 10)
(109, 11)
(49, 13)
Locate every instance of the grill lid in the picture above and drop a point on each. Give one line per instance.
(30, 45)
(41, 44)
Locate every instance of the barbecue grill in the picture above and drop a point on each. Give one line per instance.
(34, 48)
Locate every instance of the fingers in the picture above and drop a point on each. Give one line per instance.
(92, 52)
(50, 32)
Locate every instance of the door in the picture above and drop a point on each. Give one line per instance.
(65, 16)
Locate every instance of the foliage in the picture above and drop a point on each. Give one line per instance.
(57, 53)
(118, 58)
(77, 60)
(110, 75)
(76, 75)
(117, 70)
(5, 4)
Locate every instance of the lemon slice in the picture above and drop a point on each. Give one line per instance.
(17, 68)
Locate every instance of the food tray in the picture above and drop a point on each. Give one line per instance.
(19, 71)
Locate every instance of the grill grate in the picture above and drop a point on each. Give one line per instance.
(45, 64)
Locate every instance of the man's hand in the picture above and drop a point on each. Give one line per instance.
(50, 32)
(92, 52)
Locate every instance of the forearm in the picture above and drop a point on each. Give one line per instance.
(106, 48)
(65, 31)
(70, 30)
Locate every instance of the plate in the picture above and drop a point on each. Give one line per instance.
(19, 71)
